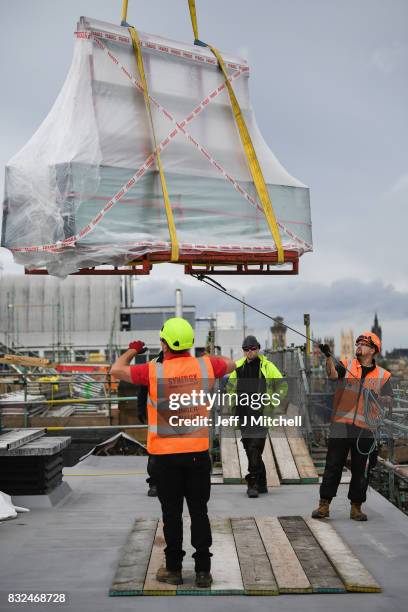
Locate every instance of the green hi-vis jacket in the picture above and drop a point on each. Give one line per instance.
(267, 370)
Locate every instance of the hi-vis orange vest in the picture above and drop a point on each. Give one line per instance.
(177, 376)
(348, 405)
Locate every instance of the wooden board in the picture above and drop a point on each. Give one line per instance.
(225, 567)
(157, 560)
(229, 457)
(352, 572)
(303, 460)
(289, 574)
(26, 361)
(272, 477)
(316, 565)
(132, 568)
(251, 556)
(284, 460)
(242, 456)
(256, 571)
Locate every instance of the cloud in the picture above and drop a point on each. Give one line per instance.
(390, 58)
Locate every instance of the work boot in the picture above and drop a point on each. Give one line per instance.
(355, 512)
(170, 576)
(323, 511)
(252, 490)
(152, 492)
(203, 580)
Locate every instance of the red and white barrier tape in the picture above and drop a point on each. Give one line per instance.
(182, 53)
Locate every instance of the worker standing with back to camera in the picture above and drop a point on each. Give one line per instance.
(182, 465)
(349, 430)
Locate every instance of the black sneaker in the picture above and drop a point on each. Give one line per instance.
(152, 492)
(203, 580)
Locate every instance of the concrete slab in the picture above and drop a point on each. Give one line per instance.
(74, 547)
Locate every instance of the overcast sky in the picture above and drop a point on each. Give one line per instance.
(329, 87)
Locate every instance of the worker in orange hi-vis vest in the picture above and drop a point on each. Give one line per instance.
(178, 438)
(355, 418)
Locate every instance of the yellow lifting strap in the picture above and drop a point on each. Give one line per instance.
(249, 150)
(193, 15)
(124, 11)
(169, 213)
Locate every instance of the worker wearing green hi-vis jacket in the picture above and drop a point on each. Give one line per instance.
(255, 380)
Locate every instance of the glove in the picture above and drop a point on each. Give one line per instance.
(138, 346)
(325, 349)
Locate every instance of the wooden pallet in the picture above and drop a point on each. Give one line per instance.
(251, 556)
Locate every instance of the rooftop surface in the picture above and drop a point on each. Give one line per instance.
(74, 547)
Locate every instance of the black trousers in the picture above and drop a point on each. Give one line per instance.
(179, 476)
(150, 470)
(256, 468)
(337, 452)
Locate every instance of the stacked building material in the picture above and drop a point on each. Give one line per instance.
(31, 466)
(19, 402)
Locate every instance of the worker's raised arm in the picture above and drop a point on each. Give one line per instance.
(230, 363)
(330, 365)
(121, 368)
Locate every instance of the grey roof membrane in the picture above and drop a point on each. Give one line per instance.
(74, 547)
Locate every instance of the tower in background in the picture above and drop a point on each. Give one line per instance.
(376, 328)
(346, 344)
(278, 334)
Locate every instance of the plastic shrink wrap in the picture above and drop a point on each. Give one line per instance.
(85, 190)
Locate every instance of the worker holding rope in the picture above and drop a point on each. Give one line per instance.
(362, 395)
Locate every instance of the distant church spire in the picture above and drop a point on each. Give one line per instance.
(376, 328)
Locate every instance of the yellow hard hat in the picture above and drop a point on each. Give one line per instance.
(178, 334)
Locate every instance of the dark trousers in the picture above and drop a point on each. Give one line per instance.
(337, 452)
(179, 476)
(256, 468)
(150, 470)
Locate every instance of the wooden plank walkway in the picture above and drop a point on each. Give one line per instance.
(257, 574)
(231, 470)
(288, 571)
(303, 460)
(286, 457)
(316, 566)
(131, 572)
(251, 556)
(350, 569)
(242, 456)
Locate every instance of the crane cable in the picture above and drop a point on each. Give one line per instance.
(249, 150)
